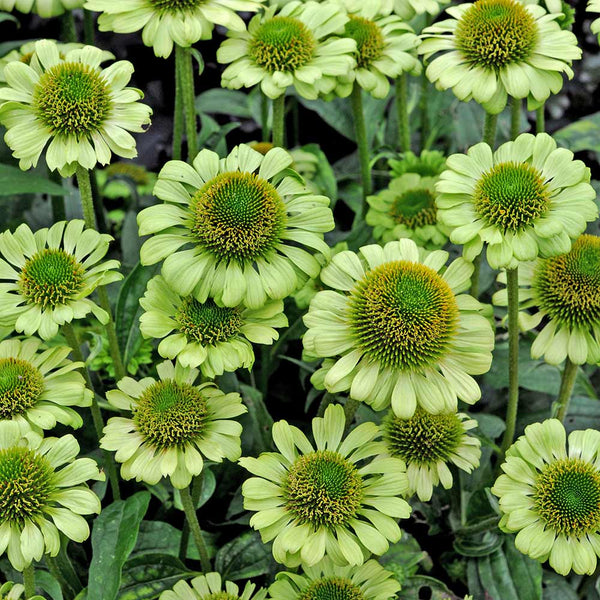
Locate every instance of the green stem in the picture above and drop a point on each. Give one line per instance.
(489, 129)
(363, 145)
(55, 571)
(515, 118)
(326, 400)
(29, 581)
(264, 117)
(178, 117)
(566, 389)
(58, 202)
(68, 33)
(350, 408)
(402, 108)
(111, 332)
(279, 121)
(512, 284)
(192, 520)
(540, 119)
(424, 109)
(184, 65)
(197, 485)
(87, 198)
(89, 27)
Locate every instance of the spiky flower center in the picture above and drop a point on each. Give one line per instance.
(511, 196)
(323, 489)
(369, 40)
(170, 414)
(51, 277)
(414, 208)
(567, 496)
(568, 286)
(207, 323)
(175, 6)
(238, 216)
(423, 439)
(403, 315)
(332, 588)
(72, 99)
(25, 484)
(282, 44)
(21, 385)
(495, 33)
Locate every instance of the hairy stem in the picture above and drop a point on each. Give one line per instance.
(567, 384)
(361, 141)
(68, 33)
(515, 118)
(178, 117)
(87, 198)
(89, 27)
(192, 519)
(279, 121)
(540, 119)
(402, 108)
(184, 66)
(29, 580)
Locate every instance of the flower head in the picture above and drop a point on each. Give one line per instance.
(406, 209)
(527, 199)
(398, 330)
(328, 581)
(428, 444)
(550, 496)
(210, 587)
(44, 8)
(168, 22)
(50, 274)
(216, 338)
(84, 111)
(492, 49)
(174, 423)
(42, 492)
(124, 180)
(246, 220)
(39, 385)
(294, 47)
(594, 7)
(330, 498)
(430, 163)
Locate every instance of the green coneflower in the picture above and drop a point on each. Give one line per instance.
(44, 8)
(551, 497)
(248, 222)
(174, 423)
(526, 199)
(210, 587)
(428, 444)
(329, 498)
(39, 385)
(216, 338)
(49, 275)
(124, 180)
(492, 49)
(398, 329)
(430, 163)
(328, 581)
(42, 492)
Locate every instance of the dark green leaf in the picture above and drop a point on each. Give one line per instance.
(414, 588)
(403, 559)
(224, 102)
(581, 135)
(258, 422)
(13, 181)
(244, 557)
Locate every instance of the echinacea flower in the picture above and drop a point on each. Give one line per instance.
(204, 334)
(406, 209)
(174, 423)
(43, 8)
(49, 275)
(330, 498)
(327, 581)
(168, 22)
(125, 180)
(247, 221)
(492, 49)
(42, 493)
(405, 9)
(39, 385)
(550, 496)
(429, 444)
(526, 199)
(430, 163)
(397, 329)
(210, 586)
(295, 47)
(84, 111)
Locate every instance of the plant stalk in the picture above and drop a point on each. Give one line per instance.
(185, 68)
(264, 117)
(68, 32)
(362, 142)
(192, 519)
(87, 197)
(540, 119)
(279, 121)
(515, 118)
(197, 485)
(29, 581)
(402, 108)
(178, 117)
(567, 384)
(89, 27)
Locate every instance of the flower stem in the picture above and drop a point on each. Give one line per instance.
(58, 202)
(279, 121)
(197, 485)
(540, 119)
(29, 581)
(87, 198)
(512, 284)
(178, 117)
(361, 140)
(566, 389)
(89, 27)
(68, 33)
(326, 400)
(192, 520)
(264, 117)
(185, 68)
(402, 107)
(515, 118)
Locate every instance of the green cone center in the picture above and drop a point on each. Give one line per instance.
(238, 216)
(323, 488)
(170, 414)
(567, 287)
(21, 385)
(429, 164)
(51, 277)
(174, 6)
(511, 196)
(495, 33)
(423, 439)
(414, 208)
(369, 40)
(207, 323)
(332, 588)
(282, 44)
(567, 496)
(25, 484)
(72, 99)
(403, 315)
